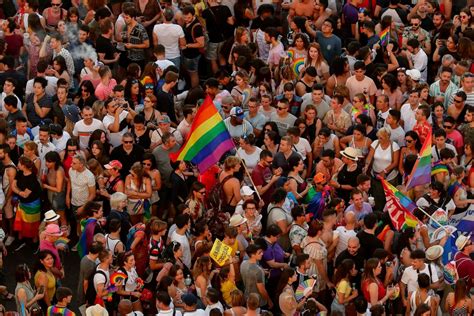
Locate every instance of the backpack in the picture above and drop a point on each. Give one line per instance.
(91, 293)
(216, 217)
(131, 235)
(202, 50)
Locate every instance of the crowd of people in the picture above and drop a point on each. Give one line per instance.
(323, 99)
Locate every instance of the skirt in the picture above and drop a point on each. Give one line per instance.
(27, 219)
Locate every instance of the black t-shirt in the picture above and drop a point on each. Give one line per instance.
(368, 244)
(127, 160)
(216, 22)
(104, 46)
(12, 117)
(191, 32)
(29, 182)
(165, 103)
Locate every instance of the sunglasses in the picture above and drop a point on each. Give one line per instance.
(56, 4)
(128, 141)
(415, 24)
(447, 126)
(281, 108)
(71, 150)
(409, 141)
(401, 69)
(457, 101)
(202, 192)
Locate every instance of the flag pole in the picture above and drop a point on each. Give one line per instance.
(247, 172)
(432, 218)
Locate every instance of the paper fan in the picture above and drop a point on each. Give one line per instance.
(304, 288)
(117, 276)
(61, 242)
(440, 232)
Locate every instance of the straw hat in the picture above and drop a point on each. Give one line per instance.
(51, 216)
(237, 220)
(350, 153)
(434, 252)
(462, 241)
(96, 310)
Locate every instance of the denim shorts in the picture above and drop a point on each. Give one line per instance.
(213, 50)
(191, 64)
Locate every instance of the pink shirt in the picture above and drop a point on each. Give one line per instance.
(47, 245)
(102, 91)
(457, 141)
(275, 54)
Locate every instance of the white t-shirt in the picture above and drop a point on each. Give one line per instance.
(407, 115)
(183, 240)
(397, 135)
(435, 152)
(80, 184)
(410, 276)
(250, 160)
(218, 305)
(383, 158)
(60, 143)
(422, 202)
(302, 147)
(99, 278)
(344, 236)
(84, 131)
(115, 138)
(157, 133)
(168, 35)
(420, 62)
(366, 86)
(162, 64)
(50, 87)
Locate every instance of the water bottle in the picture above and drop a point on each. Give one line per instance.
(188, 280)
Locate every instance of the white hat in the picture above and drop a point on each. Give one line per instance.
(434, 252)
(246, 190)
(51, 216)
(414, 74)
(237, 220)
(350, 153)
(96, 310)
(462, 241)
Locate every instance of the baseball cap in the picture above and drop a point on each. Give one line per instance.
(114, 164)
(414, 74)
(165, 119)
(237, 112)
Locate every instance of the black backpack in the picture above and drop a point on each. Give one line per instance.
(91, 293)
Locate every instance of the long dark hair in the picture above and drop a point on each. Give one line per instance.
(343, 270)
(41, 256)
(28, 163)
(460, 290)
(285, 276)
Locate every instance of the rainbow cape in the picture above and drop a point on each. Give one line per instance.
(87, 236)
(55, 310)
(384, 36)
(421, 172)
(399, 207)
(207, 140)
(316, 202)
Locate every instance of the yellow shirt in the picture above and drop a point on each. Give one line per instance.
(344, 287)
(50, 285)
(226, 288)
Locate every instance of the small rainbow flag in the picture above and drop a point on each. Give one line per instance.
(385, 36)
(421, 172)
(207, 140)
(399, 207)
(297, 66)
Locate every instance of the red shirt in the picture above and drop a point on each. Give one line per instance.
(14, 44)
(261, 176)
(422, 130)
(365, 290)
(465, 267)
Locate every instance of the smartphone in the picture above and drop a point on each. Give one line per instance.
(41, 290)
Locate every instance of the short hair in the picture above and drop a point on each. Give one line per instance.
(11, 101)
(296, 212)
(272, 31)
(56, 36)
(278, 195)
(116, 198)
(395, 114)
(446, 69)
(328, 153)
(413, 42)
(355, 192)
(163, 297)
(171, 77)
(182, 220)
(266, 154)
(301, 258)
(41, 81)
(359, 65)
(370, 220)
(95, 248)
(425, 110)
(168, 14)
(213, 295)
(131, 11)
(166, 137)
(252, 249)
(418, 254)
(189, 9)
(105, 25)
(62, 293)
(440, 133)
(273, 231)
(318, 87)
(361, 178)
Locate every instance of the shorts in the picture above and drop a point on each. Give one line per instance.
(192, 64)
(213, 50)
(57, 200)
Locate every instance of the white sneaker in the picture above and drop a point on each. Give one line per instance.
(10, 240)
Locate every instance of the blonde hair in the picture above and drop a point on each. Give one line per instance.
(231, 161)
(31, 145)
(384, 131)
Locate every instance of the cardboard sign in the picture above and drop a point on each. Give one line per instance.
(220, 252)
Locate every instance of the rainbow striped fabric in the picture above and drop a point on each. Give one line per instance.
(421, 172)
(385, 36)
(399, 207)
(208, 138)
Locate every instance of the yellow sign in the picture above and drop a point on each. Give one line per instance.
(220, 252)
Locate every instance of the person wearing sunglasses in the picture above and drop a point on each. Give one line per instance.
(54, 14)
(458, 108)
(464, 264)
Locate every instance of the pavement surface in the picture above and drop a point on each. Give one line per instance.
(70, 261)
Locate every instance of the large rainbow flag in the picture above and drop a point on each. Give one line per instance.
(399, 207)
(207, 140)
(384, 36)
(421, 172)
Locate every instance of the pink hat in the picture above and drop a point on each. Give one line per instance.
(114, 164)
(53, 230)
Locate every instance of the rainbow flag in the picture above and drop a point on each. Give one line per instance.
(399, 207)
(316, 202)
(87, 237)
(207, 140)
(385, 36)
(421, 172)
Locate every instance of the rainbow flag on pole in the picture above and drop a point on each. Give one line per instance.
(208, 138)
(421, 172)
(399, 207)
(385, 36)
